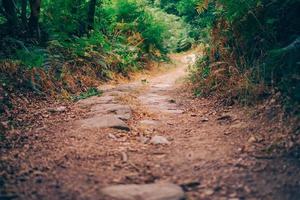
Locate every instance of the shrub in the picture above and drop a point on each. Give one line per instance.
(259, 40)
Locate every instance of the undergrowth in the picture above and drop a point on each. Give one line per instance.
(89, 93)
(251, 51)
(67, 52)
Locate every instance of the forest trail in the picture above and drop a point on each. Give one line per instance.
(159, 134)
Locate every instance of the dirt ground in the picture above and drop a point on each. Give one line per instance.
(213, 151)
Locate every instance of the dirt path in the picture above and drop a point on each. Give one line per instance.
(205, 148)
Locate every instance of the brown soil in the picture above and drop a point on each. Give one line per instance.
(215, 152)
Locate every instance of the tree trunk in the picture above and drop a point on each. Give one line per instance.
(91, 15)
(34, 28)
(11, 13)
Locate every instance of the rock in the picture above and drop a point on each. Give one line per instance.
(174, 111)
(106, 99)
(105, 121)
(157, 191)
(159, 140)
(112, 136)
(106, 88)
(95, 100)
(252, 139)
(124, 157)
(227, 118)
(233, 196)
(172, 101)
(239, 125)
(58, 109)
(162, 85)
(190, 186)
(148, 122)
(227, 133)
(143, 139)
(204, 119)
(208, 192)
(85, 103)
(125, 88)
(121, 111)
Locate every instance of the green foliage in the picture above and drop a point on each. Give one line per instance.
(128, 31)
(187, 8)
(72, 47)
(258, 39)
(127, 58)
(174, 31)
(170, 6)
(31, 57)
(69, 19)
(236, 10)
(127, 11)
(199, 22)
(2, 20)
(89, 93)
(153, 32)
(281, 68)
(133, 17)
(82, 46)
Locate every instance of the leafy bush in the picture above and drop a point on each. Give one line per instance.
(127, 11)
(82, 46)
(132, 17)
(74, 43)
(174, 34)
(68, 20)
(89, 93)
(31, 57)
(254, 45)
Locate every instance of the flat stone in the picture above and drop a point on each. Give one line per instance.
(252, 139)
(175, 111)
(105, 121)
(147, 122)
(153, 98)
(58, 109)
(159, 140)
(239, 125)
(162, 85)
(106, 88)
(106, 99)
(204, 119)
(125, 88)
(123, 112)
(208, 192)
(225, 117)
(158, 191)
(86, 103)
(112, 136)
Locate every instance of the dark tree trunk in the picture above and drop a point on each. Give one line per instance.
(23, 13)
(11, 13)
(35, 7)
(91, 15)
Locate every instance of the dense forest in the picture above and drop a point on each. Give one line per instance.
(251, 47)
(51, 47)
(201, 94)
